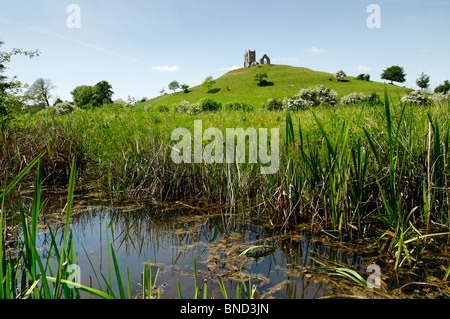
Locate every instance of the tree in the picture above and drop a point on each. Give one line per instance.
(174, 85)
(58, 100)
(185, 88)
(261, 77)
(83, 96)
(209, 82)
(443, 88)
(423, 81)
(340, 76)
(40, 92)
(10, 100)
(102, 93)
(394, 74)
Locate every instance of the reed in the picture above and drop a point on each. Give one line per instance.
(353, 171)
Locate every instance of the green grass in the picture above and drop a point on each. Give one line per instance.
(287, 81)
(349, 166)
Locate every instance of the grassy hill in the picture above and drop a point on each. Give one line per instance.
(239, 85)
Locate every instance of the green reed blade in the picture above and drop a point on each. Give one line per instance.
(84, 288)
(179, 291)
(117, 270)
(222, 287)
(21, 175)
(66, 228)
(128, 282)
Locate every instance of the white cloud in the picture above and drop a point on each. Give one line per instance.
(315, 51)
(233, 67)
(426, 50)
(363, 68)
(166, 68)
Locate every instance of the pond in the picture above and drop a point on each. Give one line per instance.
(182, 239)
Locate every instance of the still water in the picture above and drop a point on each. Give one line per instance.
(174, 240)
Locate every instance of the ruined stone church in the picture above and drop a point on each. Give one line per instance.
(250, 59)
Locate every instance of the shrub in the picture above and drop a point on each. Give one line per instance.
(64, 108)
(209, 104)
(340, 76)
(363, 77)
(186, 107)
(162, 108)
(194, 109)
(415, 97)
(182, 107)
(443, 88)
(355, 98)
(243, 106)
(375, 99)
(214, 90)
(440, 98)
(260, 78)
(274, 105)
(312, 97)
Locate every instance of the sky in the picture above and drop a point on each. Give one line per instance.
(139, 46)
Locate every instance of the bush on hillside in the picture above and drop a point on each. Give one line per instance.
(375, 99)
(355, 98)
(182, 107)
(214, 90)
(162, 108)
(209, 104)
(415, 97)
(189, 108)
(64, 108)
(443, 88)
(363, 77)
(340, 76)
(274, 105)
(312, 97)
(440, 98)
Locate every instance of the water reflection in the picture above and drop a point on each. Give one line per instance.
(173, 239)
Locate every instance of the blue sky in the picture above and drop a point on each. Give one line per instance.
(140, 46)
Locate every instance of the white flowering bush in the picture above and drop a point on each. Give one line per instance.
(440, 98)
(355, 98)
(415, 97)
(340, 75)
(312, 97)
(64, 108)
(182, 107)
(186, 107)
(194, 109)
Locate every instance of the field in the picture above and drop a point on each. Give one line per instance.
(373, 173)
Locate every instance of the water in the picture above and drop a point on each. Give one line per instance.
(173, 240)
(173, 237)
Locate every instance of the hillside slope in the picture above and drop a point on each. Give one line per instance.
(239, 85)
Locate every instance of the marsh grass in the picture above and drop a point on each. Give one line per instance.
(26, 274)
(359, 172)
(390, 171)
